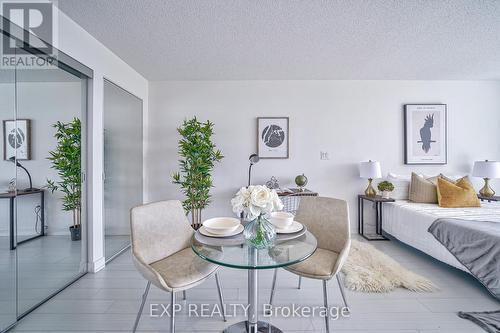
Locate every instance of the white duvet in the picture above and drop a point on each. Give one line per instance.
(408, 222)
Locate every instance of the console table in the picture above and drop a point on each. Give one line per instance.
(12, 196)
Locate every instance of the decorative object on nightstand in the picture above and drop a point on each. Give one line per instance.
(370, 170)
(378, 203)
(386, 188)
(301, 181)
(486, 170)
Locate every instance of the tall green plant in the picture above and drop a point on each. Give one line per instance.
(66, 159)
(198, 156)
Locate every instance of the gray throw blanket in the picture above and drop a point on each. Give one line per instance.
(476, 245)
(489, 321)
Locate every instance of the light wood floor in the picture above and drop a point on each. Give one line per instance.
(108, 301)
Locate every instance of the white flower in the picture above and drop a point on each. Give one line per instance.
(256, 200)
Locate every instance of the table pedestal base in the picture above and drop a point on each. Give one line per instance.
(242, 327)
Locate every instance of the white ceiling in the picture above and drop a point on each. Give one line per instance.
(285, 39)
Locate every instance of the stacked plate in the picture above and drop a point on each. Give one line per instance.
(221, 227)
(284, 223)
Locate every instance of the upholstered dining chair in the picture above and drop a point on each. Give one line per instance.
(328, 220)
(161, 252)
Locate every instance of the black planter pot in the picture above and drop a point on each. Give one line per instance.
(76, 233)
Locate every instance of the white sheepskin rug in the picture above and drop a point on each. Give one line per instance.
(369, 270)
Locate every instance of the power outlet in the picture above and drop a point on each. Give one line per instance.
(324, 156)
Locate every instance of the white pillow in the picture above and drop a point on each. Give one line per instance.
(401, 185)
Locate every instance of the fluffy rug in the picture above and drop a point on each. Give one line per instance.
(369, 270)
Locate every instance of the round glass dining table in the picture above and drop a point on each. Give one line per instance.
(236, 254)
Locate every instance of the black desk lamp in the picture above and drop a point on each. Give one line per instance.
(30, 189)
(254, 158)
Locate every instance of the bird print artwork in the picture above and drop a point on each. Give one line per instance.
(426, 134)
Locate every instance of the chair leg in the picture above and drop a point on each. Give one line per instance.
(341, 286)
(144, 297)
(325, 297)
(273, 287)
(300, 282)
(183, 295)
(172, 314)
(221, 299)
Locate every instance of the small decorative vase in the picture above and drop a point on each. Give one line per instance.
(386, 194)
(259, 233)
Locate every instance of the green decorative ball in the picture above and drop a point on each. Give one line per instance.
(301, 180)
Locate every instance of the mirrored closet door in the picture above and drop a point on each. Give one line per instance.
(43, 243)
(123, 173)
(8, 259)
(51, 247)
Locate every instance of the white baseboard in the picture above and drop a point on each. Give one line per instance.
(97, 265)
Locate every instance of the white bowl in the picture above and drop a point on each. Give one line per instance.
(282, 219)
(221, 225)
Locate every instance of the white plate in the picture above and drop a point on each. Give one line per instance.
(204, 232)
(295, 227)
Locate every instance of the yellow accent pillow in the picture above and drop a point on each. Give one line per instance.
(456, 195)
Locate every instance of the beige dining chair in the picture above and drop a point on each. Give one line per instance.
(161, 252)
(328, 220)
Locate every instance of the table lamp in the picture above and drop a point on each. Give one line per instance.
(370, 170)
(486, 170)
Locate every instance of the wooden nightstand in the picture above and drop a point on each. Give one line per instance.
(378, 202)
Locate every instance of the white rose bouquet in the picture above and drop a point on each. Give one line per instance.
(256, 200)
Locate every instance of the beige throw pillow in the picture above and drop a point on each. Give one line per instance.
(423, 190)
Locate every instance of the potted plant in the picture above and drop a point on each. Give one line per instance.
(386, 188)
(66, 159)
(198, 156)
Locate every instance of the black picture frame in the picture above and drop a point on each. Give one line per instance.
(410, 159)
(27, 126)
(281, 152)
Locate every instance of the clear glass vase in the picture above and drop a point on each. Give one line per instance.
(259, 233)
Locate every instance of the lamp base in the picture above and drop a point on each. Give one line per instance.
(487, 191)
(370, 191)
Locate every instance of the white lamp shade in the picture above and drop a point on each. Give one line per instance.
(486, 169)
(370, 169)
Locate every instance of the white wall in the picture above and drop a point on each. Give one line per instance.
(352, 120)
(76, 42)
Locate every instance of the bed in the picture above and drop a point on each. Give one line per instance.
(409, 222)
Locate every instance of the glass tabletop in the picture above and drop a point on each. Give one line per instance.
(283, 253)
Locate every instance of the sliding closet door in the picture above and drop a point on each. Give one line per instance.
(7, 209)
(51, 111)
(123, 170)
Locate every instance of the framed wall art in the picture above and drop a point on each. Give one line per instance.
(273, 137)
(425, 134)
(17, 138)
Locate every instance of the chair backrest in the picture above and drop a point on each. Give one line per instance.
(159, 230)
(327, 219)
